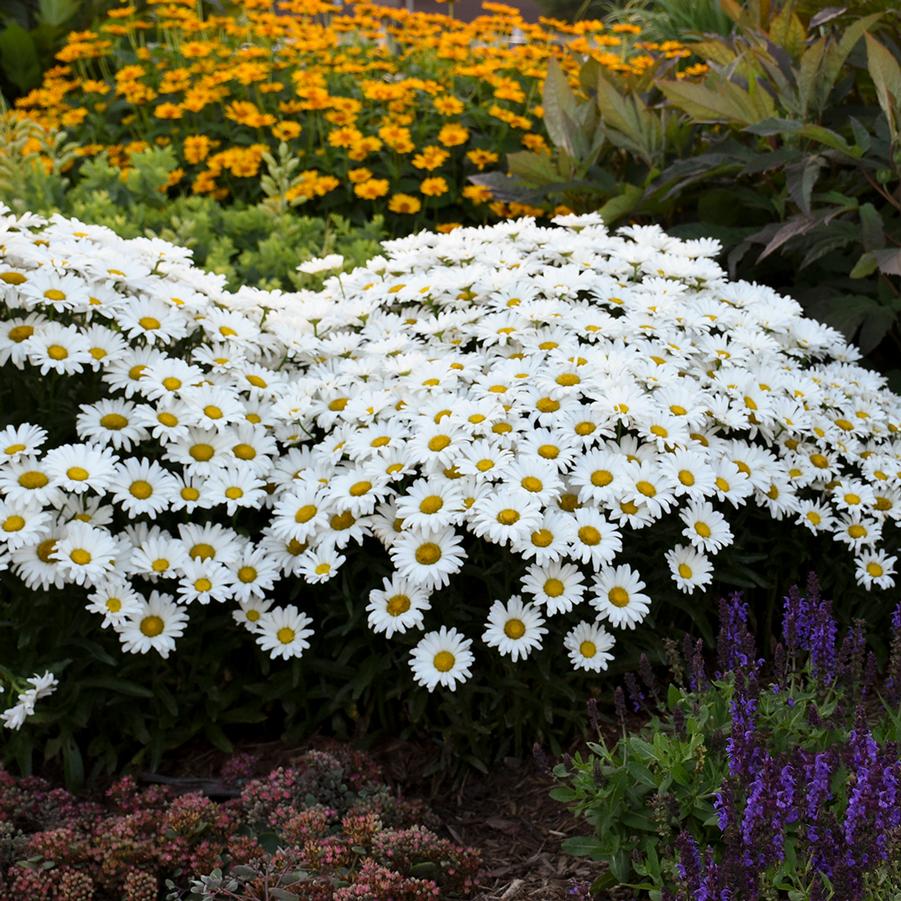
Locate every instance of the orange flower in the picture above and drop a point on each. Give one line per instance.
(481, 158)
(433, 187)
(196, 148)
(396, 138)
(448, 106)
(447, 227)
(168, 111)
(357, 176)
(344, 137)
(535, 143)
(404, 203)
(246, 113)
(432, 157)
(285, 131)
(477, 193)
(372, 189)
(453, 134)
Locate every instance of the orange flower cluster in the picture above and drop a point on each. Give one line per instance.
(386, 111)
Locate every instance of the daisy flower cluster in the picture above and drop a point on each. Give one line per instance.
(554, 391)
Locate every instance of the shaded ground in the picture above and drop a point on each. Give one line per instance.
(506, 814)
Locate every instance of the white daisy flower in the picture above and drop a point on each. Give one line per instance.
(155, 626)
(82, 467)
(442, 658)
(705, 528)
(619, 597)
(596, 541)
(250, 611)
(876, 568)
(21, 440)
(85, 555)
(320, 564)
(397, 606)
(236, 487)
(589, 646)
(506, 515)
(27, 481)
(514, 628)
(210, 542)
(557, 586)
(115, 600)
(689, 568)
(142, 486)
(283, 632)
(57, 348)
(111, 422)
(254, 572)
(22, 524)
(431, 503)
(428, 557)
(204, 580)
(158, 556)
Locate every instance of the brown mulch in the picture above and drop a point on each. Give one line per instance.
(508, 815)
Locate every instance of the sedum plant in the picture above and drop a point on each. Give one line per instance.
(325, 826)
(756, 781)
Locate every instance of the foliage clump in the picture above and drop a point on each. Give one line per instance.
(324, 827)
(754, 779)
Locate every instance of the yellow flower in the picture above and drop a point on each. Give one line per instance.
(453, 134)
(404, 203)
(372, 189)
(432, 157)
(448, 106)
(74, 116)
(433, 187)
(196, 148)
(477, 193)
(344, 137)
(481, 158)
(535, 143)
(357, 176)
(396, 138)
(359, 150)
(168, 111)
(285, 131)
(246, 113)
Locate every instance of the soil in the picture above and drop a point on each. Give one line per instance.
(509, 816)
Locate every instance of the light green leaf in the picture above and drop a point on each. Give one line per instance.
(533, 168)
(559, 103)
(886, 75)
(56, 12)
(723, 102)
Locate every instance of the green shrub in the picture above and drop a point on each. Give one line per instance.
(258, 245)
(789, 153)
